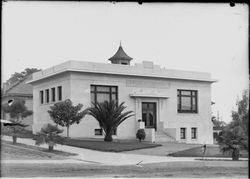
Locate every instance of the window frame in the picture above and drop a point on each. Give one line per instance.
(41, 94)
(97, 131)
(185, 133)
(193, 100)
(195, 133)
(47, 98)
(53, 94)
(59, 93)
(110, 92)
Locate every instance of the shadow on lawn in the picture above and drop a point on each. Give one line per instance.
(212, 151)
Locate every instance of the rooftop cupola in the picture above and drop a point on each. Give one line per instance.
(120, 57)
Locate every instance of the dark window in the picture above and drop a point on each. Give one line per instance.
(41, 97)
(53, 94)
(194, 133)
(59, 92)
(183, 133)
(47, 95)
(103, 93)
(187, 101)
(98, 131)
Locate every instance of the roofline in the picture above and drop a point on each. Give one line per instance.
(17, 95)
(17, 83)
(115, 73)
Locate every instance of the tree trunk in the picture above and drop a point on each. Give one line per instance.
(108, 138)
(67, 131)
(235, 155)
(14, 139)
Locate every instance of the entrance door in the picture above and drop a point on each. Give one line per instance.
(149, 114)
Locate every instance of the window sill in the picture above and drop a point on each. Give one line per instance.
(50, 103)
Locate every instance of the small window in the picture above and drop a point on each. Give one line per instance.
(41, 97)
(124, 63)
(183, 133)
(59, 92)
(47, 95)
(53, 94)
(98, 131)
(194, 133)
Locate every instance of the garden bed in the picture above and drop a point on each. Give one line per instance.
(109, 146)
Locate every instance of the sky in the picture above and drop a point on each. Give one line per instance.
(203, 37)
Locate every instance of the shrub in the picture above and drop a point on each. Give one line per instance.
(49, 134)
(140, 134)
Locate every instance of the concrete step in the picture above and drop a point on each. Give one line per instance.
(163, 138)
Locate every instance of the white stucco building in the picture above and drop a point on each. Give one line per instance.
(175, 104)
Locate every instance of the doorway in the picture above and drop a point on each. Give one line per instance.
(149, 114)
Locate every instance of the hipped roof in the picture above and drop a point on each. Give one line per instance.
(120, 55)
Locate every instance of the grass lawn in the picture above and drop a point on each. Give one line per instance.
(212, 151)
(27, 152)
(109, 146)
(100, 145)
(21, 134)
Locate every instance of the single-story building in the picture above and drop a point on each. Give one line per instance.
(174, 105)
(19, 91)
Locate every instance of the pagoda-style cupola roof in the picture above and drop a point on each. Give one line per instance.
(120, 57)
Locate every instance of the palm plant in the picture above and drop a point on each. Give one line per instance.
(232, 141)
(109, 115)
(49, 134)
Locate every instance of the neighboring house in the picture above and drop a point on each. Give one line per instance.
(19, 90)
(174, 104)
(216, 131)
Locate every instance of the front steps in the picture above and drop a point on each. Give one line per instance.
(162, 137)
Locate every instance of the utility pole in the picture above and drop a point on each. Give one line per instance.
(218, 115)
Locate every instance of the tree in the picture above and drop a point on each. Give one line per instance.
(65, 114)
(234, 136)
(218, 123)
(19, 76)
(49, 134)
(109, 115)
(17, 111)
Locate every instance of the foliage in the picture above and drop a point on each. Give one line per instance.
(234, 136)
(109, 115)
(65, 113)
(17, 111)
(49, 134)
(218, 123)
(140, 134)
(19, 76)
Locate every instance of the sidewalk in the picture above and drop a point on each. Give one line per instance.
(105, 158)
(109, 158)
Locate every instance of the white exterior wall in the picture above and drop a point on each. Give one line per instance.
(40, 111)
(76, 86)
